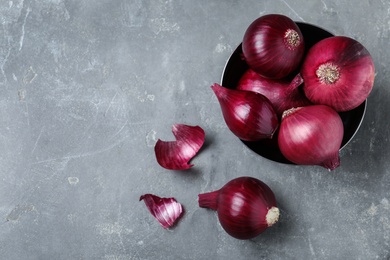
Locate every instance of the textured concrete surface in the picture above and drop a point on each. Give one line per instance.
(88, 86)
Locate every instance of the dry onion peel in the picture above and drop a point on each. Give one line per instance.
(166, 210)
(175, 155)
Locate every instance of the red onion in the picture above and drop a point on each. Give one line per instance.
(273, 46)
(311, 135)
(166, 210)
(338, 72)
(175, 155)
(282, 94)
(246, 207)
(249, 115)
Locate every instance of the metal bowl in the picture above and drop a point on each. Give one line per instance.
(234, 69)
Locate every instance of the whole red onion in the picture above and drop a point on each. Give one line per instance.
(282, 94)
(246, 207)
(338, 72)
(311, 135)
(249, 115)
(273, 46)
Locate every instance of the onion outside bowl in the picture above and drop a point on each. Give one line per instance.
(236, 66)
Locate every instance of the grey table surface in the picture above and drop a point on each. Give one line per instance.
(88, 86)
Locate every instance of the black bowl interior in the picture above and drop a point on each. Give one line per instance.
(236, 67)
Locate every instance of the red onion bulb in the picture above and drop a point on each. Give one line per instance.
(249, 115)
(246, 207)
(282, 94)
(273, 46)
(311, 135)
(338, 72)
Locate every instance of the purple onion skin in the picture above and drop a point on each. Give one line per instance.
(242, 205)
(266, 49)
(249, 115)
(175, 155)
(311, 135)
(352, 80)
(282, 94)
(167, 211)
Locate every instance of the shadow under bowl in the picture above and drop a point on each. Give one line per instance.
(234, 69)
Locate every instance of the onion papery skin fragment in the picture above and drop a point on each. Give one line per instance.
(246, 207)
(311, 135)
(175, 155)
(338, 72)
(273, 46)
(281, 93)
(166, 210)
(249, 115)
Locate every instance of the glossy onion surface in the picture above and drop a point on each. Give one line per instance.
(311, 135)
(246, 207)
(282, 94)
(338, 72)
(249, 115)
(273, 46)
